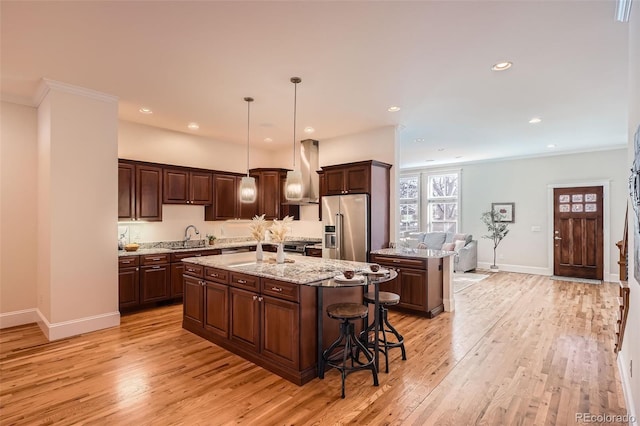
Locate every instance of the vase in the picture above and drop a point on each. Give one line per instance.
(259, 251)
(280, 254)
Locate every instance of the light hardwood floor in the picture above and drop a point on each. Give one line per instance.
(520, 349)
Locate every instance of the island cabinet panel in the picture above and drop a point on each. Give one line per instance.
(419, 283)
(245, 318)
(280, 331)
(216, 308)
(192, 308)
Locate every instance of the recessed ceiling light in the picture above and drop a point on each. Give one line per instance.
(145, 110)
(551, 145)
(418, 140)
(268, 140)
(428, 161)
(393, 108)
(193, 126)
(501, 66)
(309, 129)
(535, 120)
(459, 156)
(440, 149)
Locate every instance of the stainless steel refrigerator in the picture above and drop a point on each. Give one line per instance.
(345, 225)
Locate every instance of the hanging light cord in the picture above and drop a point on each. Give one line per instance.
(295, 81)
(249, 100)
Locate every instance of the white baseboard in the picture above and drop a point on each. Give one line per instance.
(612, 278)
(626, 389)
(517, 268)
(15, 318)
(61, 330)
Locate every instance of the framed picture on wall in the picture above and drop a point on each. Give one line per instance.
(506, 210)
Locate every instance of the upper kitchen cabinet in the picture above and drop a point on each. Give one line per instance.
(139, 191)
(271, 199)
(354, 178)
(183, 186)
(226, 202)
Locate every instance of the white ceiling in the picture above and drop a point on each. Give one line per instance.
(195, 61)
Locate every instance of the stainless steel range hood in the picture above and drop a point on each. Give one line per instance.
(309, 164)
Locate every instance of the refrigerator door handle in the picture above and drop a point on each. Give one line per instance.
(338, 236)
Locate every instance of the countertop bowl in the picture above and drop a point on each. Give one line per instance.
(131, 247)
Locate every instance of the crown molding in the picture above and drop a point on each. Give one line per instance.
(47, 85)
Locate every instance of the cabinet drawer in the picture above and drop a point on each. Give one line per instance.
(193, 270)
(216, 275)
(154, 259)
(248, 282)
(399, 261)
(128, 261)
(281, 289)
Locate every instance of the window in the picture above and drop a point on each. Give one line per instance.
(409, 204)
(442, 202)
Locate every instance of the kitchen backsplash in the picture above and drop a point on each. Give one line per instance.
(176, 218)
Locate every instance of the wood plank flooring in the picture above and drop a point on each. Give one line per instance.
(520, 349)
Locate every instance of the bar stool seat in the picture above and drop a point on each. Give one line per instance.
(385, 298)
(346, 360)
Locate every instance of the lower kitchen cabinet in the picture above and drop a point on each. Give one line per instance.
(128, 281)
(269, 322)
(419, 283)
(155, 278)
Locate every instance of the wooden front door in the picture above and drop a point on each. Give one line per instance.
(578, 232)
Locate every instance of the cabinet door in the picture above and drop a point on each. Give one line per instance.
(413, 288)
(177, 269)
(244, 328)
(154, 283)
(225, 197)
(280, 333)
(148, 193)
(357, 179)
(269, 195)
(192, 305)
(175, 186)
(216, 308)
(126, 191)
(128, 287)
(201, 192)
(334, 182)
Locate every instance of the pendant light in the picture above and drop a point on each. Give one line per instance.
(293, 184)
(248, 184)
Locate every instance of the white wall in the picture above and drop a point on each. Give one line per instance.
(526, 183)
(18, 233)
(631, 344)
(146, 143)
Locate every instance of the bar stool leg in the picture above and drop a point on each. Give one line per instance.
(392, 329)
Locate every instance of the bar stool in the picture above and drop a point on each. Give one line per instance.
(385, 298)
(345, 361)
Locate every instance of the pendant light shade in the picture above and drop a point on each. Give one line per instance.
(293, 184)
(248, 189)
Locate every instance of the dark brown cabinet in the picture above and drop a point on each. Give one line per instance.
(182, 186)
(128, 281)
(271, 195)
(269, 322)
(419, 283)
(155, 276)
(139, 191)
(226, 201)
(349, 179)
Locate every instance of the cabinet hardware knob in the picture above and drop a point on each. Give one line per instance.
(214, 275)
(155, 258)
(137, 269)
(396, 261)
(190, 270)
(242, 281)
(155, 267)
(260, 299)
(255, 297)
(126, 261)
(276, 289)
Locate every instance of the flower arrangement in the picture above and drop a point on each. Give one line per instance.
(258, 227)
(280, 228)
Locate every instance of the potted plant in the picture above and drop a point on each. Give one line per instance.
(497, 230)
(211, 238)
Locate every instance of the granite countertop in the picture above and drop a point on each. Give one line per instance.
(304, 270)
(409, 252)
(220, 244)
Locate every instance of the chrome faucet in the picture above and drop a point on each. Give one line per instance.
(187, 237)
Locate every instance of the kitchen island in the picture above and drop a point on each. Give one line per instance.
(425, 278)
(270, 314)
